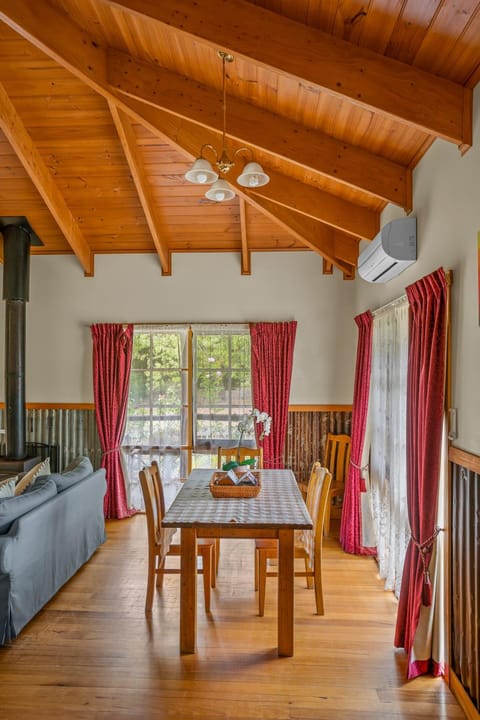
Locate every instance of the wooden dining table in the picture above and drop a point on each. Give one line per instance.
(276, 512)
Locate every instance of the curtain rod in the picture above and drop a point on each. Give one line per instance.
(402, 298)
(156, 322)
(392, 303)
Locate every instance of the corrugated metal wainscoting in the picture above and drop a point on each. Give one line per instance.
(306, 435)
(64, 433)
(73, 432)
(465, 568)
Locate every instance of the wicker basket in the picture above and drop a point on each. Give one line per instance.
(234, 491)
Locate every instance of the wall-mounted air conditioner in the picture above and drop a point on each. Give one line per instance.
(391, 252)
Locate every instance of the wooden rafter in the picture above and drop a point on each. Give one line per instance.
(320, 205)
(188, 136)
(34, 165)
(337, 248)
(65, 45)
(422, 100)
(91, 67)
(127, 139)
(253, 126)
(245, 252)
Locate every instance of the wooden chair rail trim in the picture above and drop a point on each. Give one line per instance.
(464, 459)
(320, 408)
(56, 406)
(91, 406)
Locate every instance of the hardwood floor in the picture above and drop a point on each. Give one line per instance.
(91, 654)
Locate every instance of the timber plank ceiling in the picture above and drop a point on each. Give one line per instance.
(104, 105)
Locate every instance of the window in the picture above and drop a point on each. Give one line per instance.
(222, 386)
(189, 388)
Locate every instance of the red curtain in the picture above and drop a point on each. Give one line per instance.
(272, 347)
(425, 411)
(112, 357)
(351, 523)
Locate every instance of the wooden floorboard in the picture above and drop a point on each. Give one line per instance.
(91, 654)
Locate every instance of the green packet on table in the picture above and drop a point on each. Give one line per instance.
(233, 464)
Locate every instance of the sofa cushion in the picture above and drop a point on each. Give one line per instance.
(7, 487)
(42, 468)
(73, 474)
(14, 507)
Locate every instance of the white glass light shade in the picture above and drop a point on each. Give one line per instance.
(201, 172)
(220, 191)
(253, 176)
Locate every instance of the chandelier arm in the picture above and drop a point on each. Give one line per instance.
(210, 147)
(243, 150)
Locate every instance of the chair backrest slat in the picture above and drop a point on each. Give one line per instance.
(239, 454)
(151, 484)
(337, 458)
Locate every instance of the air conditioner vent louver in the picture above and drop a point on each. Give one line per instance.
(391, 252)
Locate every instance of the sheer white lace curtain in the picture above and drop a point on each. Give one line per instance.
(387, 430)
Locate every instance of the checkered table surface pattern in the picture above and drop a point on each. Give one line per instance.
(279, 504)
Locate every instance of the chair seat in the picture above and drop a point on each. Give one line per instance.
(308, 543)
(160, 545)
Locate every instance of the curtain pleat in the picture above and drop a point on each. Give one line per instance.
(425, 413)
(351, 523)
(112, 357)
(272, 346)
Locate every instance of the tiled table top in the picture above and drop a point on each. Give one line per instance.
(278, 505)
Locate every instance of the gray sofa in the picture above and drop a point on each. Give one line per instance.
(59, 525)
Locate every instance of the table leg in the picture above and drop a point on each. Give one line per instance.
(285, 592)
(188, 591)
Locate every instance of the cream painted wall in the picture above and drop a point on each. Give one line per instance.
(283, 286)
(446, 203)
(203, 288)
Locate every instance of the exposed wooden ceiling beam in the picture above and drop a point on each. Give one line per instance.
(56, 35)
(316, 236)
(430, 103)
(187, 135)
(245, 252)
(327, 267)
(34, 165)
(258, 128)
(318, 204)
(127, 139)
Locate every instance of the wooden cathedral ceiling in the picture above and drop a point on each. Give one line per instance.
(104, 104)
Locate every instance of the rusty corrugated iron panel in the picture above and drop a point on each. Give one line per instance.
(465, 569)
(306, 435)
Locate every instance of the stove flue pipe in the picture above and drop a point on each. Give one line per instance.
(16, 276)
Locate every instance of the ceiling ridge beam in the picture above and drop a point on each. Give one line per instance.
(147, 200)
(34, 165)
(305, 147)
(321, 61)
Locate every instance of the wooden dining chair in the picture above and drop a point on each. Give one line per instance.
(159, 540)
(303, 486)
(239, 454)
(236, 454)
(337, 460)
(308, 543)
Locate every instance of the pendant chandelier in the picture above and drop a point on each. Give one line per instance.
(202, 171)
